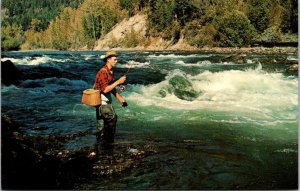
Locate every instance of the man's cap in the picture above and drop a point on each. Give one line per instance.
(108, 54)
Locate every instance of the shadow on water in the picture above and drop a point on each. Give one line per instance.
(191, 164)
(160, 159)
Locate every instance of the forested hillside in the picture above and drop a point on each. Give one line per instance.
(19, 16)
(74, 24)
(22, 12)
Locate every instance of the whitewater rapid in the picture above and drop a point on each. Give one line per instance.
(258, 96)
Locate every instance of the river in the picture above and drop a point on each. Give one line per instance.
(209, 124)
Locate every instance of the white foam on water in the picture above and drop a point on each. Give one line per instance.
(178, 56)
(5, 89)
(249, 61)
(208, 63)
(133, 64)
(34, 61)
(290, 57)
(199, 63)
(287, 150)
(23, 61)
(254, 94)
(205, 62)
(87, 56)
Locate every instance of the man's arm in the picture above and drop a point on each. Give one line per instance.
(120, 98)
(115, 84)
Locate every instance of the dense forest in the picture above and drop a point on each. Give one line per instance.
(18, 16)
(22, 12)
(73, 24)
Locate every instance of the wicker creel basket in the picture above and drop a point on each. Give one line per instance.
(91, 97)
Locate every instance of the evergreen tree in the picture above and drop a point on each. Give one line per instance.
(234, 29)
(11, 37)
(162, 14)
(259, 14)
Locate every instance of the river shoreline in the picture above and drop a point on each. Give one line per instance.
(222, 50)
(257, 50)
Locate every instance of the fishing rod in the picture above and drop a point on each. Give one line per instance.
(122, 87)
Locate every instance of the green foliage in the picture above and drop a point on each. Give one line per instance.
(130, 5)
(172, 32)
(22, 12)
(35, 24)
(290, 17)
(66, 24)
(259, 14)
(77, 28)
(271, 34)
(91, 26)
(234, 29)
(200, 36)
(108, 19)
(106, 13)
(162, 14)
(185, 12)
(11, 37)
(58, 42)
(34, 40)
(59, 31)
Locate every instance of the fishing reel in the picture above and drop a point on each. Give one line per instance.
(122, 88)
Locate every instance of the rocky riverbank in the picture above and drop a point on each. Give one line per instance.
(222, 50)
(256, 50)
(182, 46)
(41, 162)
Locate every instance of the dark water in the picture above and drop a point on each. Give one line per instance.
(204, 124)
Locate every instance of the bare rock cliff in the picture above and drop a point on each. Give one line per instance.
(137, 23)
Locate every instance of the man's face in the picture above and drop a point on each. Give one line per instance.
(112, 61)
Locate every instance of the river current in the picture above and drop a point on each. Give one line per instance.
(210, 124)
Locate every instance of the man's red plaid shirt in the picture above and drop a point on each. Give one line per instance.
(104, 78)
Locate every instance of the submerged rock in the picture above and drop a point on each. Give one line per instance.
(180, 82)
(292, 70)
(30, 162)
(236, 58)
(21, 167)
(163, 92)
(188, 95)
(181, 88)
(277, 60)
(10, 74)
(41, 162)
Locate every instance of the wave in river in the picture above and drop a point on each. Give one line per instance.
(252, 93)
(34, 61)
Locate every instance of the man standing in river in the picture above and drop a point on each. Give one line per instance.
(107, 85)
